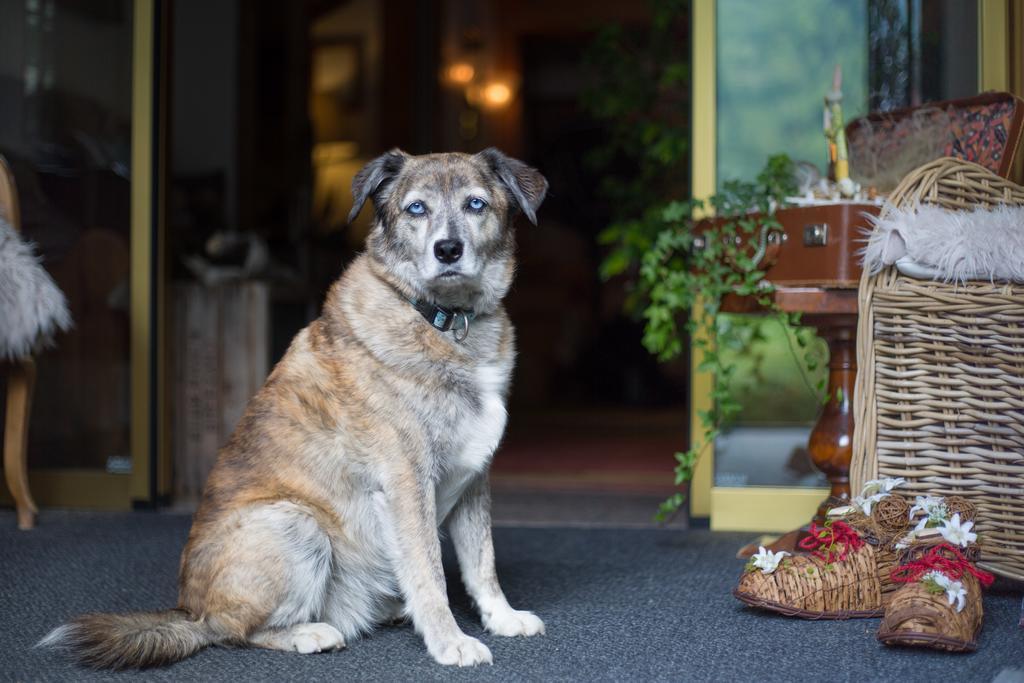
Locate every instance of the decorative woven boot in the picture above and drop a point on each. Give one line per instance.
(810, 587)
(939, 602)
(847, 571)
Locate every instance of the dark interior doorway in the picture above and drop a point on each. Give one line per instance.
(312, 90)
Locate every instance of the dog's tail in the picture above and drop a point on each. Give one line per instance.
(132, 641)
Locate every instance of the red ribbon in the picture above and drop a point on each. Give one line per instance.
(828, 536)
(942, 558)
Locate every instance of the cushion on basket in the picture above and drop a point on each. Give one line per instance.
(953, 246)
(32, 307)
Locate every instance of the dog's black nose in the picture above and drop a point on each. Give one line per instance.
(448, 251)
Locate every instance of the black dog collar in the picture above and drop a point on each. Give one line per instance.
(445, 319)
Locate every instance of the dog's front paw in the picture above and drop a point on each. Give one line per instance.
(462, 650)
(310, 638)
(513, 622)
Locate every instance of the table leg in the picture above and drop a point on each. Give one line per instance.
(831, 442)
(21, 378)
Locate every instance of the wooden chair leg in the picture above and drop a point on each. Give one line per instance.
(21, 379)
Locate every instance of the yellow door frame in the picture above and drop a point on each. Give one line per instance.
(703, 176)
(81, 487)
(151, 467)
(993, 44)
(1000, 25)
(1006, 47)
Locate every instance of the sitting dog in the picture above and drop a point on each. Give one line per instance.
(320, 519)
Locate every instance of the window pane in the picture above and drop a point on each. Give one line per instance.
(65, 128)
(776, 382)
(774, 67)
(922, 51)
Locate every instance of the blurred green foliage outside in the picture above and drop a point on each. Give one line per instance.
(774, 64)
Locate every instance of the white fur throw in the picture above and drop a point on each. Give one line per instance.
(32, 307)
(929, 242)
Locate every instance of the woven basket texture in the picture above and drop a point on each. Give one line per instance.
(940, 378)
(882, 533)
(917, 617)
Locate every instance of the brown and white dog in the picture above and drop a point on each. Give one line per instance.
(320, 519)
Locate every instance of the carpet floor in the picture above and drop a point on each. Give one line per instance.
(620, 605)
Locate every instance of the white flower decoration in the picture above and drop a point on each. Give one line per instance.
(956, 533)
(866, 503)
(874, 491)
(934, 509)
(926, 504)
(766, 560)
(840, 511)
(955, 591)
(886, 485)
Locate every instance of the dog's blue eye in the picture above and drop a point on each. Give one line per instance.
(476, 204)
(416, 208)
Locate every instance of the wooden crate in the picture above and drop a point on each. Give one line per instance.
(220, 357)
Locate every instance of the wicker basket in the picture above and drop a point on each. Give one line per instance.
(940, 378)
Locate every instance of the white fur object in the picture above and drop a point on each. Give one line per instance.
(32, 307)
(929, 242)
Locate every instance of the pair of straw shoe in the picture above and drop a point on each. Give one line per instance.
(910, 563)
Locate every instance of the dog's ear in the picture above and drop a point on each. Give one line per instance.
(526, 184)
(374, 177)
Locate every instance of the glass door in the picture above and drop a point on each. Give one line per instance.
(77, 121)
(758, 90)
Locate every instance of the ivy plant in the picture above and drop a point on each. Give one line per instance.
(687, 273)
